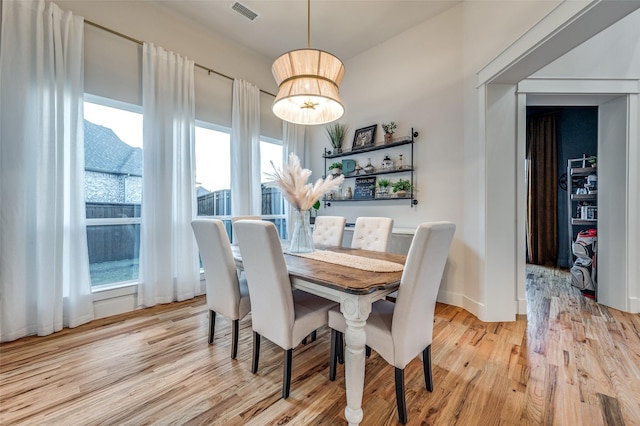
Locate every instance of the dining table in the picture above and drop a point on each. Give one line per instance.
(355, 284)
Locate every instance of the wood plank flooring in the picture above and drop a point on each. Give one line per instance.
(571, 362)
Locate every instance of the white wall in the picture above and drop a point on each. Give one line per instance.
(610, 60)
(113, 68)
(113, 65)
(425, 78)
(489, 28)
(612, 208)
(588, 20)
(613, 54)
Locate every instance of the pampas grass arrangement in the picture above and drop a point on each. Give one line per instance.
(291, 179)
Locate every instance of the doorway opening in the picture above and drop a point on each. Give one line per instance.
(555, 135)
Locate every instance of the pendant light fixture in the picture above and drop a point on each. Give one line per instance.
(308, 81)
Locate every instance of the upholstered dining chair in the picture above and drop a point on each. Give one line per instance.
(399, 331)
(279, 313)
(226, 293)
(328, 230)
(372, 233)
(234, 219)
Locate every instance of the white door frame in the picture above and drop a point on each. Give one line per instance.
(584, 92)
(500, 233)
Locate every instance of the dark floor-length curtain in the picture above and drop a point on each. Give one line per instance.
(542, 190)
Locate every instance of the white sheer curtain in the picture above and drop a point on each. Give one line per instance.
(44, 262)
(246, 195)
(293, 140)
(169, 268)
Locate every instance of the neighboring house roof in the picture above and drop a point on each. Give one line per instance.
(201, 191)
(105, 152)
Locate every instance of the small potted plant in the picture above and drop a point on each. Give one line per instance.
(401, 187)
(335, 168)
(316, 207)
(388, 131)
(383, 188)
(336, 133)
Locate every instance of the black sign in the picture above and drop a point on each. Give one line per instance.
(365, 188)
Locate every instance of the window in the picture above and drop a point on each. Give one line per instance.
(113, 189)
(213, 171)
(113, 185)
(273, 206)
(213, 176)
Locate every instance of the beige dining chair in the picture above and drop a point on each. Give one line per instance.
(227, 294)
(372, 233)
(279, 313)
(328, 230)
(399, 331)
(234, 219)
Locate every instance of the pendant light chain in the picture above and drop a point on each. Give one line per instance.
(308, 24)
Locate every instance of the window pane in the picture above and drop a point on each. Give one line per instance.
(272, 200)
(213, 172)
(114, 252)
(113, 190)
(269, 153)
(213, 177)
(213, 159)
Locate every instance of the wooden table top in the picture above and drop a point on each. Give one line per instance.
(342, 278)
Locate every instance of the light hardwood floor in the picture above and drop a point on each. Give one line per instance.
(573, 362)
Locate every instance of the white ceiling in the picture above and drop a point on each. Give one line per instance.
(342, 27)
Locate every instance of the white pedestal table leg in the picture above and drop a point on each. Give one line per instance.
(356, 310)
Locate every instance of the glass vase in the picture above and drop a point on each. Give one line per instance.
(301, 238)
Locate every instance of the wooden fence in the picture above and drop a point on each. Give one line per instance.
(218, 203)
(109, 243)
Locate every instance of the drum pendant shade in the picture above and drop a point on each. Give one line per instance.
(308, 81)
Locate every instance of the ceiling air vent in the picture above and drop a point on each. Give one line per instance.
(244, 11)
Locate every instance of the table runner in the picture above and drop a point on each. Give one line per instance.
(358, 262)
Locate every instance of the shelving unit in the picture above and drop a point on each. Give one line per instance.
(408, 168)
(582, 199)
(577, 169)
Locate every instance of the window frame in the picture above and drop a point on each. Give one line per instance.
(280, 143)
(217, 128)
(112, 103)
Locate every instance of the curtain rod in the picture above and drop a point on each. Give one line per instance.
(140, 42)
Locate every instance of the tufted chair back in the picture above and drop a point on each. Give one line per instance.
(372, 233)
(328, 230)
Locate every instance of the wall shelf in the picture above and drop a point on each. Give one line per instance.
(575, 221)
(402, 141)
(342, 200)
(386, 172)
(584, 197)
(408, 168)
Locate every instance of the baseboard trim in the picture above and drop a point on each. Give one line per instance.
(522, 307)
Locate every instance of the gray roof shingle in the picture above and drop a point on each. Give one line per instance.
(105, 152)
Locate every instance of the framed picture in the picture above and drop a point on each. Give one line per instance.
(364, 188)
(364, 137)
